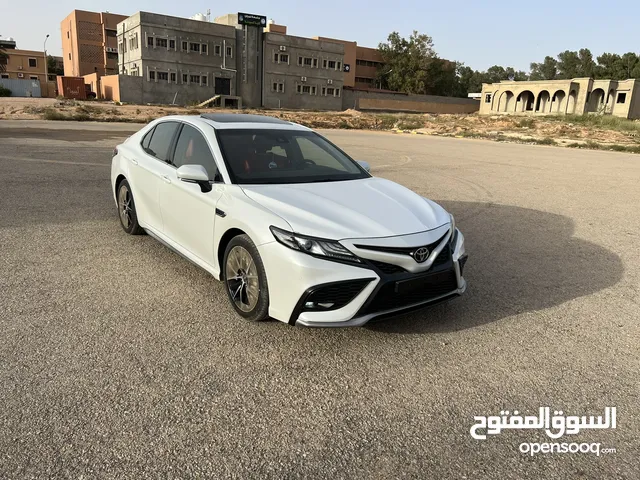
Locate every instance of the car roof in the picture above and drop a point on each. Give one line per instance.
(230, 121)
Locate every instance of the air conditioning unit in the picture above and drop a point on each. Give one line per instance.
(330, 82)
(304, 79)
(283, 48)
(21, 75)
(112, 50)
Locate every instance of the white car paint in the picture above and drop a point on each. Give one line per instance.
(374, 211)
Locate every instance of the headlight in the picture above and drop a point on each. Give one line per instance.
(313, 246)
(453, 230)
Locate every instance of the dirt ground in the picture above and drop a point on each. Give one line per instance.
(573, 131)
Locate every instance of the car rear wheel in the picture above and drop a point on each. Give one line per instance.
(127, 210)
(245, 279)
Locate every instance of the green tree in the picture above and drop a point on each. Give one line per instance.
(568, 65)
(53, 67)
(547, 70)
(407, 63)
(586, 66)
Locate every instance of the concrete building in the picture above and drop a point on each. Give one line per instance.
(574, 96)
(302, 73)
(89, 43)
(26, 65)
(179, 60)
(360, 64)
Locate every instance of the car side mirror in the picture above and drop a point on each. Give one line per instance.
(365, 165)
(195, 174)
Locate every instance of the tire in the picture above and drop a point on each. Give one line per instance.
(127, 210)
(248, 295)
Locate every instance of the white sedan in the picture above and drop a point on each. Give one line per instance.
(296, 229)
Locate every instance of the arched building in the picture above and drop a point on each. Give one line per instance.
(562, 97)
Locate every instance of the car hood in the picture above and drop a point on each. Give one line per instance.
(366, 208)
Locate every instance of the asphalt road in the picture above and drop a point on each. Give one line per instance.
(119, 359)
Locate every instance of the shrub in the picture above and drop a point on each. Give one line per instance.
(53, 114)
(526, 123)
(4, 91)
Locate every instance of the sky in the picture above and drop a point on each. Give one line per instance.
(476, 32)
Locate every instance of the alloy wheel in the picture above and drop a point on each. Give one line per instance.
(125, 206)
(242, 279)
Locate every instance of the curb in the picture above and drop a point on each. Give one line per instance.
(411, 132)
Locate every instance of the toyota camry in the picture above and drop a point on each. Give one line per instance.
(296, 229)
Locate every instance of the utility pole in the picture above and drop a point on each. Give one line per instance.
(46, 67)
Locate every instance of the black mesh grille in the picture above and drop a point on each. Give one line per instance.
(388, 268)
(443, 257)
(420, 289)
(338, 294)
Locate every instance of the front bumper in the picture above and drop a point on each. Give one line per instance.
(314, 292)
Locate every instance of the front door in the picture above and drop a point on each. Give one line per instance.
(223, 86)
(188, 214)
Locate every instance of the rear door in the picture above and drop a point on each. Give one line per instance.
(149, 171)
(188, 213)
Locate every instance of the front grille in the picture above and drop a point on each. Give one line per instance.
(443, 256)
(426, 288)
(399, 250)
(388, 268)
(339, 294)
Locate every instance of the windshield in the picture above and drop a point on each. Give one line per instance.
(284, 156)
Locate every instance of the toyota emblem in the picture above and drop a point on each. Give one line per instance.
(421, 254)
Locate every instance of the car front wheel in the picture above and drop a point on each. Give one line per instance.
(245, 279)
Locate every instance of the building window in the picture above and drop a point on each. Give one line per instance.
(110, 33)
(299, 88)
(163, 75)
(120, 48)
(332, 64)
(487, 98)
(622, 98)
(278, 87)
(339, 66)
(68, 35)
(229, 52)
(306, 89)
(315, 63)
(204, 48)
(194, 47)
(203, 80)
(308, 61)
(172, 44)
(217, 50)
(152, 75)
(337, 92)
(300, 60)
(275, 57)
(194, 79)
(330, 91)
(284, 58)
(313, 90)
(173, 77)
(185, 78)
(33, 62)
(185, 46)
(33, 77)
(4, 75)
(69, 56)
(149, 41)
(112, 56)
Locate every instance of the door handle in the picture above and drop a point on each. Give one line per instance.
(134, 161)
(166, 179)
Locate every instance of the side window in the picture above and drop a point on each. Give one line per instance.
(192, 149)
(147, 139)
(161, 140)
